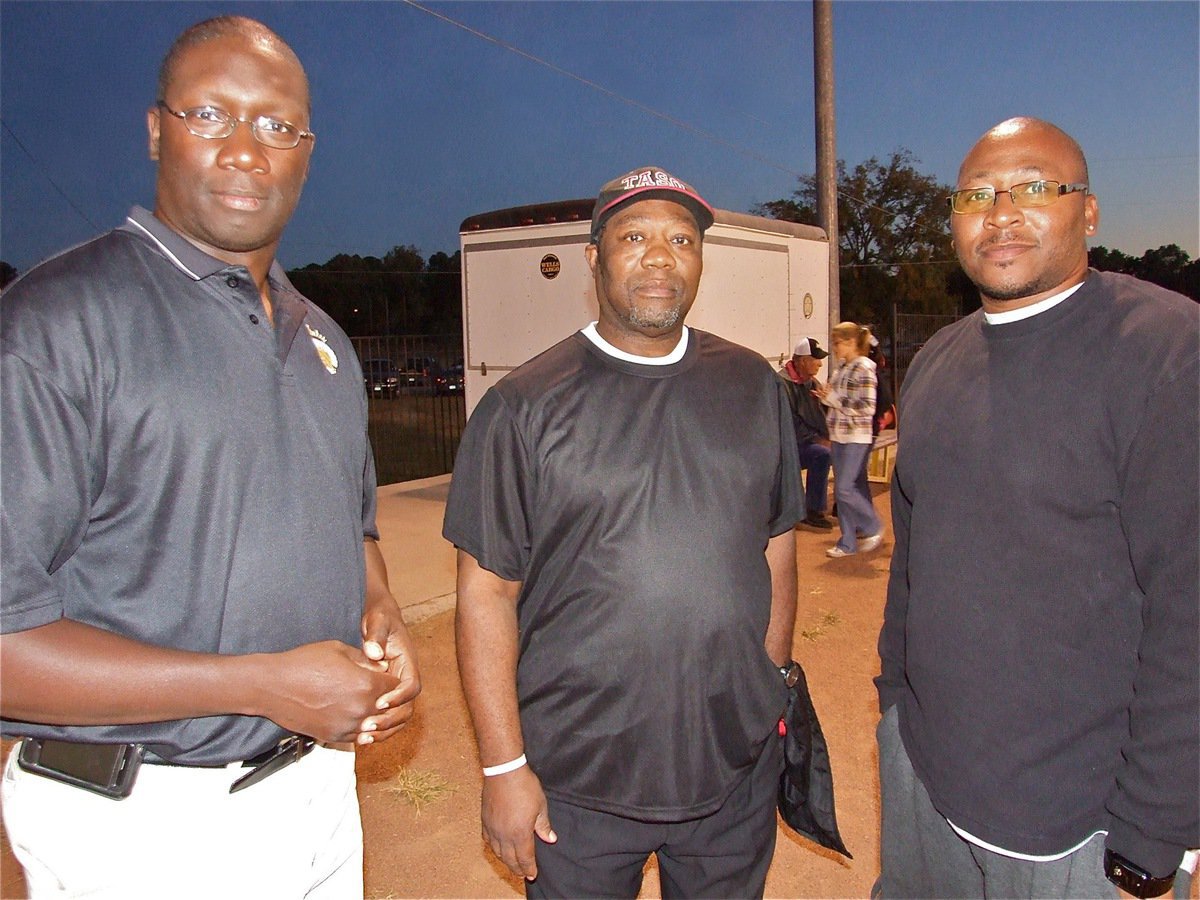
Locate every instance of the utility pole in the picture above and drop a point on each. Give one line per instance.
(827, 210)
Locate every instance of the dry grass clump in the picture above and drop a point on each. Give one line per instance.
(825, 621)
(418, 787)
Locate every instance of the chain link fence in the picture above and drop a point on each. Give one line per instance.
(416, 410)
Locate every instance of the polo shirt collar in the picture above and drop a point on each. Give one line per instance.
(185, 255)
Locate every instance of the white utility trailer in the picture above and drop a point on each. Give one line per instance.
(526, 285)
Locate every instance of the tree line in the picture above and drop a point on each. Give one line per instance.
(894, 246)
(1168, 266)
(401, 293)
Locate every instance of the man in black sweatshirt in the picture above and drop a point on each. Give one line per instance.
(1041, 646)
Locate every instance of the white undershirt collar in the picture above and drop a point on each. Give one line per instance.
(1027, 312)
(673, 357)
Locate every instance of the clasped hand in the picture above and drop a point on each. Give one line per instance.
(337, 693)
(388, 645)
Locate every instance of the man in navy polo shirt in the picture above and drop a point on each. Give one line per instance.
(193, 598)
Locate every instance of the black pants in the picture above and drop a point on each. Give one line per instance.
(724, 854)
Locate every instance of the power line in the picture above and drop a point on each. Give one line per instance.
(898, 265)
(422, 273)
(666, 117)
(46, 175)
(679, 123)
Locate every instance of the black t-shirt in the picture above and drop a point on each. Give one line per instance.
(635, 503)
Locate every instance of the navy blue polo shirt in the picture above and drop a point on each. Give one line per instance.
(176, 468)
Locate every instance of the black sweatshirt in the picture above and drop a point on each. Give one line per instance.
(1041, 633)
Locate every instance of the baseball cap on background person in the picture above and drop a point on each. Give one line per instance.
(809, 347)
(648, 183)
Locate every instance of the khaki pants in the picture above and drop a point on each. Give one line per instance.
(181, 834)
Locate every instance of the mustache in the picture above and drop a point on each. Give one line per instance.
(672, 283)
(1005, 237)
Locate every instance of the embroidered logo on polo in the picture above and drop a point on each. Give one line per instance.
(328, 358)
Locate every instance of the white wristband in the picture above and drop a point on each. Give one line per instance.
(511, 766)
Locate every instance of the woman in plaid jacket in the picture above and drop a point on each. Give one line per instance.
(850, 398)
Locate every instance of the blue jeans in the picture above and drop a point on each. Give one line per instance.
(816, 459)
(855, 512)
(922, 856)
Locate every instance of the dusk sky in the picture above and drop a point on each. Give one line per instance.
(421, 123)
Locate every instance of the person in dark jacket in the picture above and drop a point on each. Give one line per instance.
(1041, 645)
(799, 376)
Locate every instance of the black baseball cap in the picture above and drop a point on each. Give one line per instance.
(648, 183)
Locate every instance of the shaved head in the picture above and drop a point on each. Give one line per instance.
(220, 27)
(1023, 129)
(1018, 255)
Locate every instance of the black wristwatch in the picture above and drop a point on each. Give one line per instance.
(791, 673)
(1132, 878)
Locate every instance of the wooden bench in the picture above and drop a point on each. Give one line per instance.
(883, 457)
(880, 462)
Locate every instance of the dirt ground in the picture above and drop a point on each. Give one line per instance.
(437, 852)
(432, 847)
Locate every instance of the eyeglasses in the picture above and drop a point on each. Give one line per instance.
(211, 123)
(1029, 193)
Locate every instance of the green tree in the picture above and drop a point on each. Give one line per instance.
(445, 291)
(398, 294)
(1104, 260)
(408, 305)
(1169, 266)
(894, 242)
(353, 289)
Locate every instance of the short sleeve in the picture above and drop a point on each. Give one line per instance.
(370, 495)
(487, 511)
(44, 492)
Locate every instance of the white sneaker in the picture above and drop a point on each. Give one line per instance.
(870, 543)
(836, 552)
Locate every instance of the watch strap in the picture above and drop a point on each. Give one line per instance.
(1133, 879)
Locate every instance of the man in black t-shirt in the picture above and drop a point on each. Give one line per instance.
(623, 506)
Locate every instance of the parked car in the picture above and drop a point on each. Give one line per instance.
(419, 373)
(380, 377)
(449, 381)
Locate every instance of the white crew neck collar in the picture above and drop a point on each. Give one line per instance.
(674, 356)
